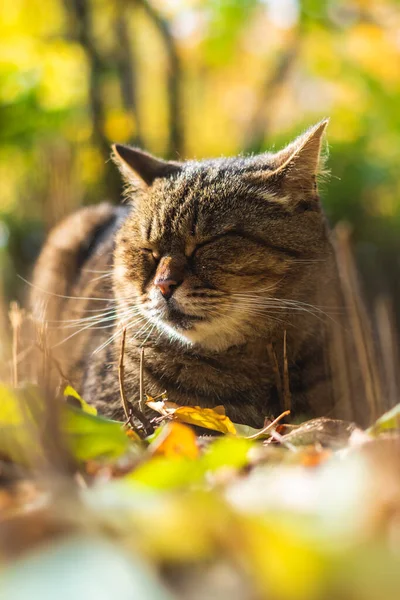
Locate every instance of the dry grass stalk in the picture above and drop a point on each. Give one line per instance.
(389, 348)
(268, 427)
(359, 321)
(287, 399)
(141, 381)
(275, 366)
(129, 410)
(16, 316)
(121, 372)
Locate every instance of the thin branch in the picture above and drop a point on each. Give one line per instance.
(129, 410)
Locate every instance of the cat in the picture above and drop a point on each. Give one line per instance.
(222, 269)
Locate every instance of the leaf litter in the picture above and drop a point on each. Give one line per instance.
(180, 502)
(284, 523)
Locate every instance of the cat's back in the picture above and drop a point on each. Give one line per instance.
(72, 279)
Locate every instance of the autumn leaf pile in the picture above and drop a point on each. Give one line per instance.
(216, 510)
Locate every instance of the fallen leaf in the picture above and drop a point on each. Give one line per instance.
(69, 391)
(88, 435)
(175, 440)
(208, 418)
(91, 436)
(205, 417)
(313, 457)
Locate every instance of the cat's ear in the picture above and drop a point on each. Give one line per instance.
(298, 165)
(141, 167)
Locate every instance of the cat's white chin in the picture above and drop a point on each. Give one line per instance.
(211, 336)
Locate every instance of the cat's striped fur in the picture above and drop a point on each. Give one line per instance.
(219, 268)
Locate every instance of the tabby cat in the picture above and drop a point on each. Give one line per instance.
(222, 269)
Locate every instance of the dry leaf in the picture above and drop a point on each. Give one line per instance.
(205, 417)
(175, 440)
(208, 418)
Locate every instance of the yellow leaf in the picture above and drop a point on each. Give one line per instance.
(209, 418)
(176, 440)
(132, 435)
(205, 417)
(69, 391)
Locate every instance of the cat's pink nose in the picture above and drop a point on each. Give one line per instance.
(169, 275)
(166, 286)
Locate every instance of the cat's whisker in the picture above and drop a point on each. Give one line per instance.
(85, 328)
(115, 335)
(107, 342)
(65, 297)
(284, 302)
(99, 318)
(266, 308)
(101, 277)
(149, 334)
(115, 313)
(144, 329)
(86, 319)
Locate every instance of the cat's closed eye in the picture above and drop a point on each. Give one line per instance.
(215, 239)
(150, 252)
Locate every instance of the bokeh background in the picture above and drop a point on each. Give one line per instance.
(197, 78)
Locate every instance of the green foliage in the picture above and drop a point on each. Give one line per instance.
(87, 435)
(66, 96)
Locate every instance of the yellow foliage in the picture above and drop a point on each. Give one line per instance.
(119, 126)
(374, 51)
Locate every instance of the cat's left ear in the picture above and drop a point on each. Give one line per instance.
(298, 165)
(141, 167)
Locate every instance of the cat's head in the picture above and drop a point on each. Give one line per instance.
(213, 248)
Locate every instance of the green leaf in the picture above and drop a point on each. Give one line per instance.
(246, 430)
(92, 436)
(163, 473)
(22, 413)
(227, 452)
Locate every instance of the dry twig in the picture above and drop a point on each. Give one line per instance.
(287, 399)
(275, 368)
(269, 427)
(129, 410)
(141, 384)
(16, 316)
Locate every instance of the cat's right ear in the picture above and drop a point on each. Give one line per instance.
(140, 167)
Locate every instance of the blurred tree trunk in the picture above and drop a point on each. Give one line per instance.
(81, 29)
(175, 145)
(127, 69)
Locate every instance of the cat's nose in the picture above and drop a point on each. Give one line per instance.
(166, 286)
(169, 275)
